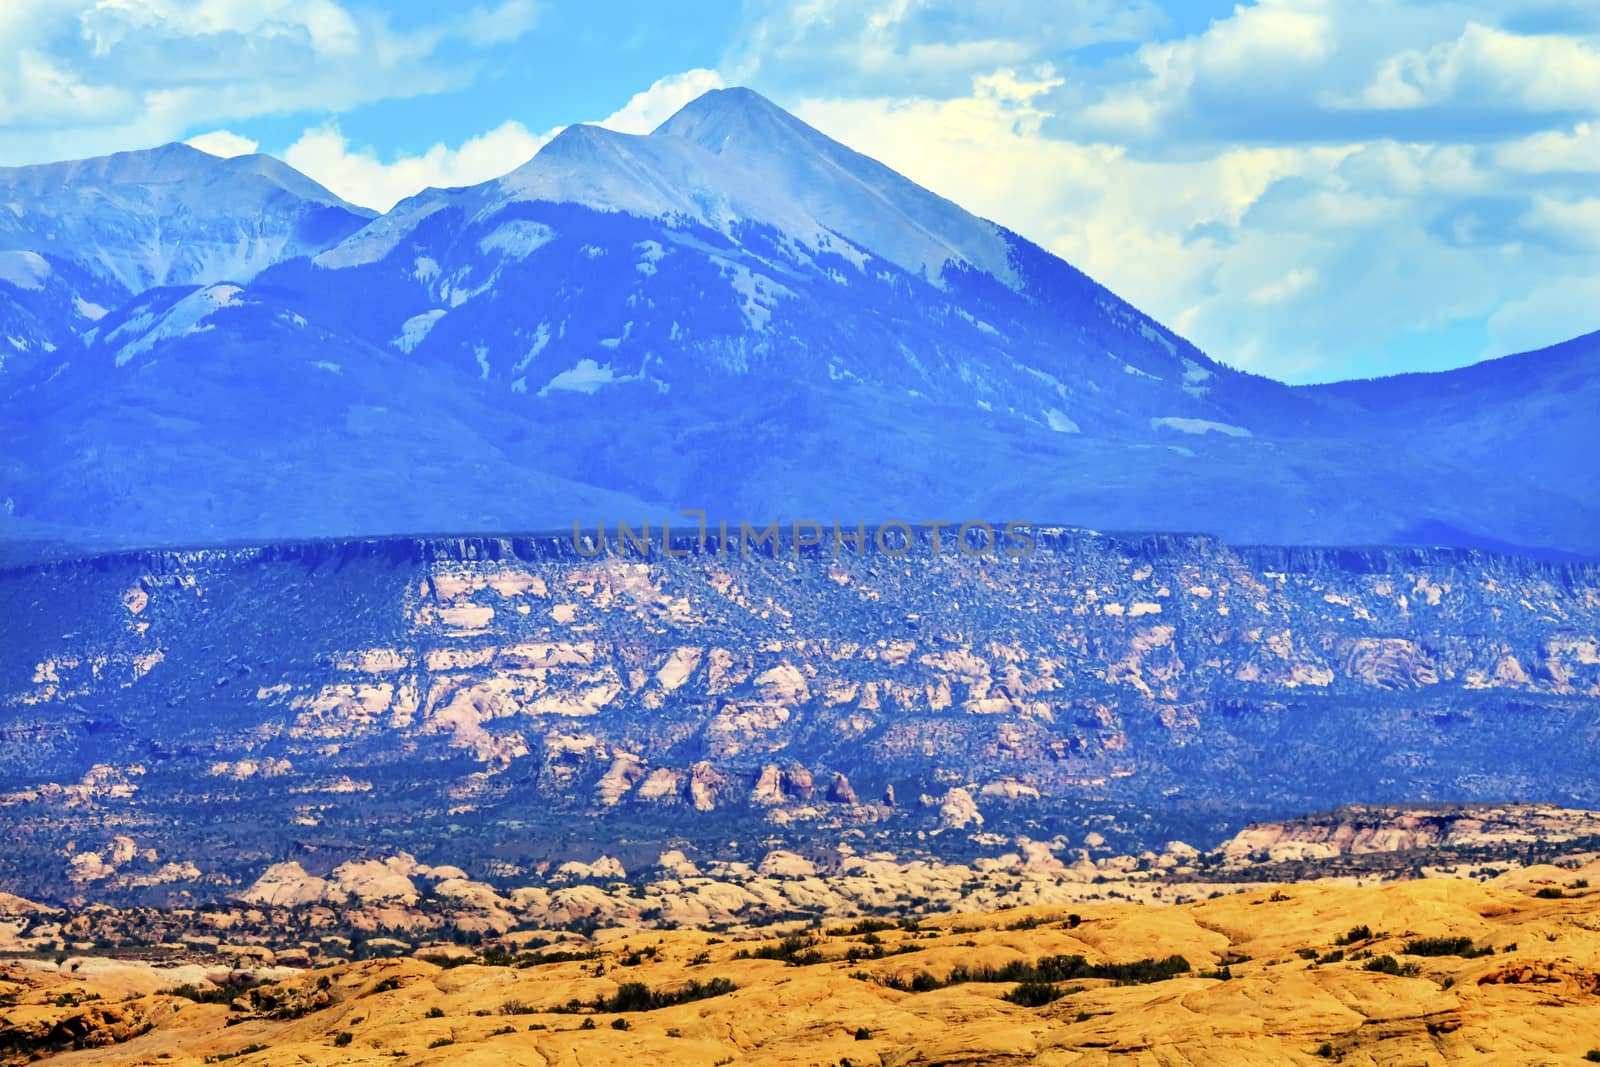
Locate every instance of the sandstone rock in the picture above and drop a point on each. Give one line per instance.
(959, 810)
(840, 791)
(706, 786)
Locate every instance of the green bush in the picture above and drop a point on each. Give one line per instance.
(1036, 994)
(1445, 946)
(1355, 934)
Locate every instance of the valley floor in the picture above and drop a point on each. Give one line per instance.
(1437, 970)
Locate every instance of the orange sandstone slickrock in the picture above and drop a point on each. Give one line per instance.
(1290, 991)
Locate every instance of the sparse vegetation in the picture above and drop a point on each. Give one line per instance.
(1036, 994)
(1390, 965)
(1355, 935)
(1048, 970)
(797, 950)
(1446, 946)
(213, 994)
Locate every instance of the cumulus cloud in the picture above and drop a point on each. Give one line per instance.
(361, 177)
(223, 143)
(650, 108)
(1487, 66)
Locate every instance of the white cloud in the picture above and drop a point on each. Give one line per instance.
(223, 143)
(650, 108)
(1554, 311)
(1488, 66)
(507, 22)
(1276, 292)
(1553, 151)
(917, 47)
(1569, 225)
(359, 176)
(87, 77)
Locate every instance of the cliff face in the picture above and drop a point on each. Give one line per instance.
(172, 722)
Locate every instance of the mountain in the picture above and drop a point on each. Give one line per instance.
(79, 238)
(733, 313)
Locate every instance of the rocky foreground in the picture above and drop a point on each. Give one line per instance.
(1439, 970)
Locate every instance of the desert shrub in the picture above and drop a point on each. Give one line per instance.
(1036, 994)
(1354, 934)
(213, 994)
(797, 950)
(343, 1038)
(1389, 965)
(1445, 946)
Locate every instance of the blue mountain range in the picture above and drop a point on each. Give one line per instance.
(733, 313)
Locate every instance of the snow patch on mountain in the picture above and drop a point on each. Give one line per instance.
(1198, 426)
(415, 329)
(517, 239)
(587, 377)
(374, 241)
(184, 318)
(1058, 421)
(88, 309)
(758, 294)
(25, 270)
(650, 253)
(1150, 333)
(541, 337)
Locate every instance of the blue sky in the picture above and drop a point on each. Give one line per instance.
(1310, 189)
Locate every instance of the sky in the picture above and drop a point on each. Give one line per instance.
(1309, 189)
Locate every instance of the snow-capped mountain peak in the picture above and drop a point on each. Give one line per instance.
(733, 156)
(171, 215)
(851, 194)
